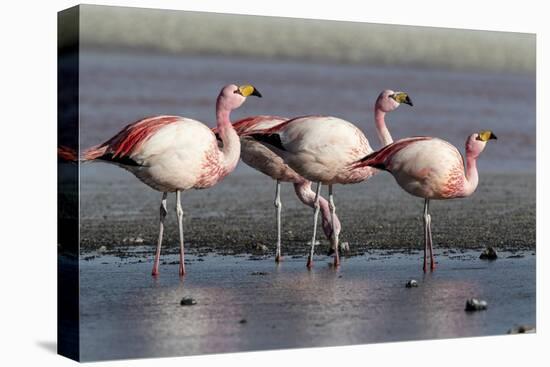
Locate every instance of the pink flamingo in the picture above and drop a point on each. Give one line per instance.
(261, 158)
(322, 148)
(431, 168)
(173, 154)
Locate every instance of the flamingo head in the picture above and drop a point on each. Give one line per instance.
(477, 141)
(233, 96)
(389, 100)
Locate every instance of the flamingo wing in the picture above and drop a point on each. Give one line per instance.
(121, 147)
(380, 158)
(271, 135)
(251, 124)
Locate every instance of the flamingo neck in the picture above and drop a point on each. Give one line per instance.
(383, 132)
(472, 177)
(307, 196)
(231, 149)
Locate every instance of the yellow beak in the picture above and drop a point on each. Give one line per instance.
(248, 90)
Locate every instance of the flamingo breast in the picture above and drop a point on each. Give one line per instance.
(180, 156)
(431, 169)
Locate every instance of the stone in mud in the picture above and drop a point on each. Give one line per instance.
(261, 248)
(411, 284)
(474, 304)
(522, 329)
(488, 254)
(243, 321)
(132, 240)
(187, 301)
(259, 273)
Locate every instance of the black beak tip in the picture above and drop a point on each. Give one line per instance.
(493, 136)
(409, 101)
(257, 93)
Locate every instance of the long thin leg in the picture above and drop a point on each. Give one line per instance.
(163, 212)
(425, 218)
(315, 215)
(430, 245)
(334, 236)
(279, 207)
(179, 212)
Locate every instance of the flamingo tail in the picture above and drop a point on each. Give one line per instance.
(67, 154)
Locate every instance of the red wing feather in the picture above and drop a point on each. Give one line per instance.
(129, 139)
(380, 158)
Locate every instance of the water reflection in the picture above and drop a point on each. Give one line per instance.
(127, 313)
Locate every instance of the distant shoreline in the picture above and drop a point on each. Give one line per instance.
(195, 33)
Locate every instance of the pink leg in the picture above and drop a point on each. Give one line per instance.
(426, 235)
(179, 212)
(334, 236)
(163, 212)
(432, 261)
(279, 206)
(315, 215)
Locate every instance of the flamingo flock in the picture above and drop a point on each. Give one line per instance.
(175, 154)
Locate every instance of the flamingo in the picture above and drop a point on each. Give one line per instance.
(322, 148)
(431, 168)
(174, 154)
(261, 158)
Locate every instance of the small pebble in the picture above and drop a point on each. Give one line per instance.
(475, 305)
(411, 284)
(243, 321)
(488, 254)
(187, 301)
(102, 249)
(259, 273)
(261, 248)
(522, 329)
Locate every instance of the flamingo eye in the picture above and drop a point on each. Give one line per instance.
(237, 91)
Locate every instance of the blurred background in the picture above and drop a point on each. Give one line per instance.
(142, 62)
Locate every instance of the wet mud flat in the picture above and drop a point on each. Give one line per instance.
(247, 302)
(238, 216)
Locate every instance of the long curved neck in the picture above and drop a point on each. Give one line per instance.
(472, 177)
(307, 196)
(383, 132)
(231, 149)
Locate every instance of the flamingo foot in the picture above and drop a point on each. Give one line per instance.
(309, 262)
(182, 271)
(425, 267)
(155, 272)
(278, 259)
(337, 261)
(432, 266)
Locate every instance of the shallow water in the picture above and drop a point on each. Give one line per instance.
(126, 313)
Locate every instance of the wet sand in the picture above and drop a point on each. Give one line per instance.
(244, 303)
(237, 215)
